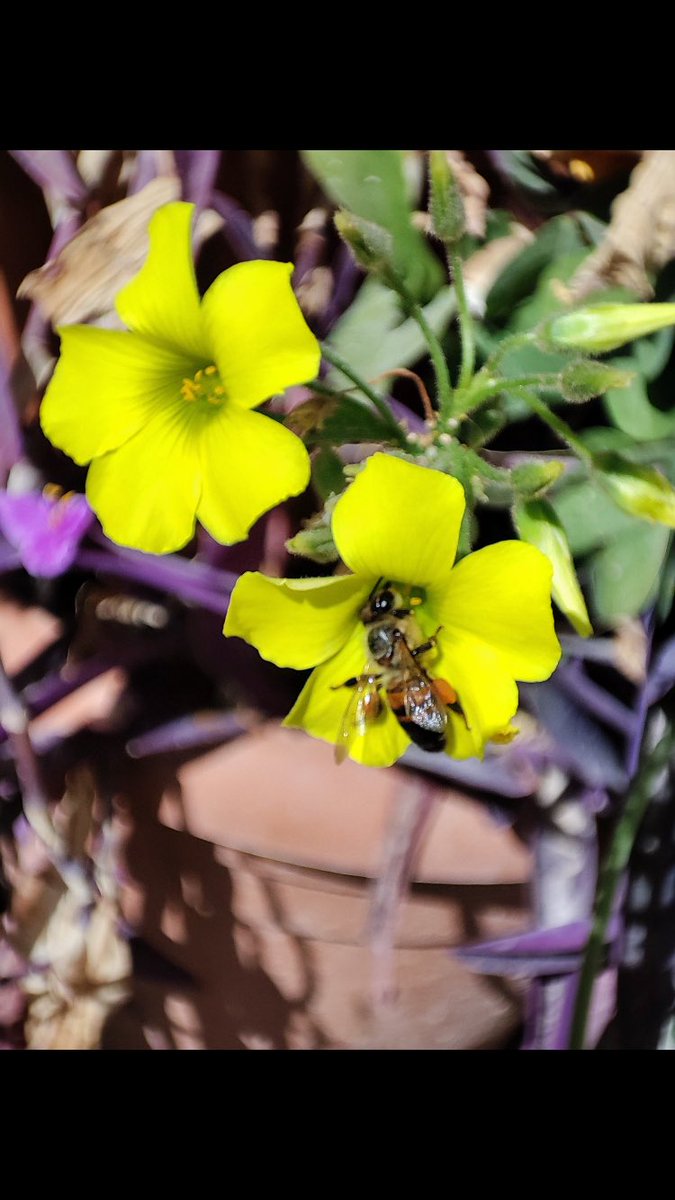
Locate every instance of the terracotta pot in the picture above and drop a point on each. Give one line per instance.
(250, 871)
(251, 867)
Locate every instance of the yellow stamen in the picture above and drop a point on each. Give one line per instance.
(204, 386)
(52, 491)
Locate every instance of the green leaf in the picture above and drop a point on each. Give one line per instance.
(537, 523)
(351, 420)
(327, 473)
(374, 335)
(558, 238)
(631, 410)
(641, 491)
(625, 576)
(372, 184)
(589, 517)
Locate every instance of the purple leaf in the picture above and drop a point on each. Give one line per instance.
(539, 952)
(187, 733)
(45, 530)
(53, 169)
(238, 227)
(583, 745)
(508, 775)
(662, 674)
(198, 170)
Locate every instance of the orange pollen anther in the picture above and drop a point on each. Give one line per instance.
(205, 385)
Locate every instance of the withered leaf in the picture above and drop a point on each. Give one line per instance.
(82, 281)
(641, 234)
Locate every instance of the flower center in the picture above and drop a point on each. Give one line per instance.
(205, 385)
(59, 501)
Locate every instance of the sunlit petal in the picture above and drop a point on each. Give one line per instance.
(146, 492)
(162, 301)
(399, 521)
(107, 385)
(259, 337)
(249, 463)
(501, 596)
(486, 691)
(295, 622)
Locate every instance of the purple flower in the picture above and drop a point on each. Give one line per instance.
(45, 528)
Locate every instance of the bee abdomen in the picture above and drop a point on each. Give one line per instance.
(426, 739)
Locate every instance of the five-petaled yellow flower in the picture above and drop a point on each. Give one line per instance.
(163, 412)
(399, 523)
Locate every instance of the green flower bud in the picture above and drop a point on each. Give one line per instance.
(532, 479)
(581, 381)
(445, 202)
(371, 245)
(315, 539)
(603, 327)
(538, 524)
(641, 491)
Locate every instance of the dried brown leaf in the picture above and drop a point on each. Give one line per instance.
(641, 234)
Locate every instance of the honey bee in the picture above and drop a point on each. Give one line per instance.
(419, 702)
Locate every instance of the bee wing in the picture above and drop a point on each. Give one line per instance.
(355, 720)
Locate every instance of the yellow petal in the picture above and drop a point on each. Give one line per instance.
(399, 521)
(249, 463)
(162, 301)
(321, 711)
(106, 387)
(501, 595)
(259, 337)
(295, 622)
(146, 492)
(486, 691)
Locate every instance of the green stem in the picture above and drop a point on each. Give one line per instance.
(381, 405)
(558, 426)
(512, 342)
(465, 320)
(613, 867)
(443, 384)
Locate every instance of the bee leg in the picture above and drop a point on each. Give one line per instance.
(457, 708)
(430, 644)
(353, 682)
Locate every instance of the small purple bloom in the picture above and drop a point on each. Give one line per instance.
(45, 529)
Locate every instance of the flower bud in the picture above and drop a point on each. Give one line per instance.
(641, 491)
(581, 381)
(603, 327)
(532, 479)
(445, 202)
(537, 523)
(371, 245)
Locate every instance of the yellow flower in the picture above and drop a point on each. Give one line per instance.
(399, 523)
(163, 412)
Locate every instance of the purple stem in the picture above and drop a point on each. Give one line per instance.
(14, 718)
(164, 577)
(198, 170)
(574, 680)
(145, 170)
(238, 227)
(642, 706)
(413, 806)
(187, 733)
(564, 886)
(37, 330)
(53, 169)
(346, 275)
